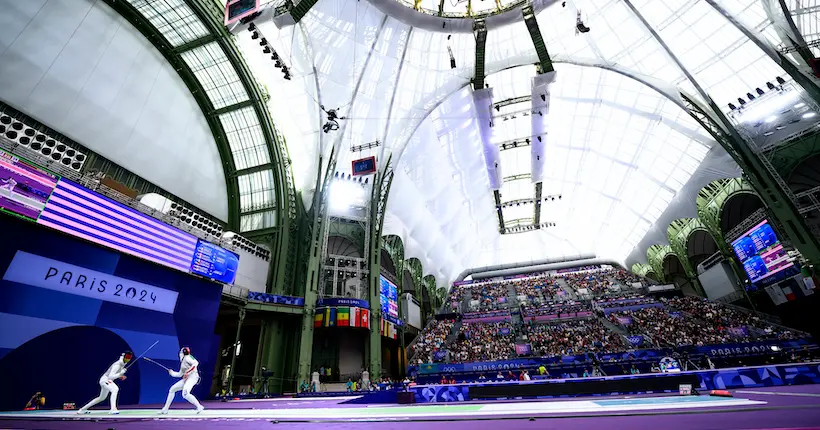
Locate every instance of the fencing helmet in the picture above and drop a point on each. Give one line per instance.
(183, 352)
(127, 356)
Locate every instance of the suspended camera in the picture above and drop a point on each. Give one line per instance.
(580, 27)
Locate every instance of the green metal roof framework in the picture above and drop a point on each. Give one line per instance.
(192, 38)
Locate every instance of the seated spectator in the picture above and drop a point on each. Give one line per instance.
(573, 337)
(484, 342)
(432, 339)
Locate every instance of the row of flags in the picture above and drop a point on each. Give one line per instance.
(342, 317)
(351, 317)
(388, 329)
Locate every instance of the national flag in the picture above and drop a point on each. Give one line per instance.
(343, 317)
(354, 317)
(317, 319)
(787, 291)
(331, 322)
(364, 318)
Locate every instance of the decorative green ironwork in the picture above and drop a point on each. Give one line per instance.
(787, 156)
(429, 282)
(413, 265)
(641, 269)
(678, 233)
(394, 247)
(656, 254)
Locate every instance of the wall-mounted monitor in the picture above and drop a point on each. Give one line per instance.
(80, 212)
(389, 295)
(763, 257)
(24, 187)
(364, 166)
(238, 9)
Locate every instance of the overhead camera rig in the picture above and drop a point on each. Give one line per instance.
(333, 118)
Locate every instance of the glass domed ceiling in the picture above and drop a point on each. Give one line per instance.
(622, 150)
(461, 8)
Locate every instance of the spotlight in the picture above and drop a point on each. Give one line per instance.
(252, 27)
(266, 50)
(769, 85)
(543, 97)
(732, 107)
(780, 80)
(275, 55)
(741, 101)
(278, 64)
(750, 96)
(759, 91)
(263, 42)
(255, 35)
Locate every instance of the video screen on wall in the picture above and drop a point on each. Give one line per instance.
(763, 257)
(91, 303)
(389, 295)
(24, 187)
(78, 211)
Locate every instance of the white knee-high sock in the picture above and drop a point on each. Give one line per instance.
(114, 400)
(92, 403)
(169, 400)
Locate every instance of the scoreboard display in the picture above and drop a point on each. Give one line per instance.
(763, 257)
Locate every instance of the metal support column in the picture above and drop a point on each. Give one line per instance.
(233, 350)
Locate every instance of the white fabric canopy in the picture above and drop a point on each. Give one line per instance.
(618, 146)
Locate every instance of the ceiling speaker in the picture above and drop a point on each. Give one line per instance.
(50, 143)
(46, 150)
(25, 140)
(30, 132)
(17, 126)
(80, 157)
(36, 145)
(5, 119)
(40, 138)
(11, 134)
(66, 161)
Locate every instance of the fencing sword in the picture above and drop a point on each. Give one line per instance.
(141, 355)
(152, 361)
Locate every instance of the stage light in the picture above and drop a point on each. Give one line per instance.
(750, 96)
(732, 107)
(769, 106)
(780, 80)
(251, 27)
(266, 50)
(344, 194)
(741, 101)
(759, 91)
(255, 35)
(769, 85)
(799, 105)
(808, 115)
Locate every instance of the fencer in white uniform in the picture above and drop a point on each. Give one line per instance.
(107, 386)
(189, 372)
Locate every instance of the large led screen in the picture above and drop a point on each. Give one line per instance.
(389, 295)
(24, 187)
(763, 257)
(72, 304)
(215, 262)
(75, 210)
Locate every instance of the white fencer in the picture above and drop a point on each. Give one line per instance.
(107, 386)
(189, 372)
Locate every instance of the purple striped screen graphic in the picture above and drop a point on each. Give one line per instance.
(79, 212)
